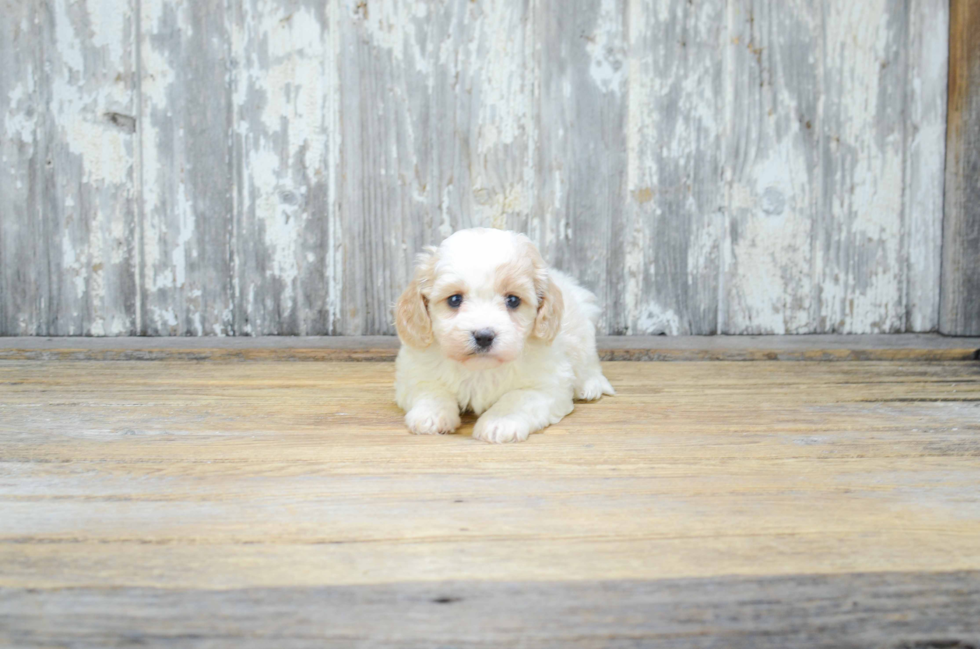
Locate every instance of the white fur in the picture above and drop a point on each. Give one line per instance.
(527, 380)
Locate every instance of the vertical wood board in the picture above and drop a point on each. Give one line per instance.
(187, 168)
(772, 166)
(960, 309)
(285, 68)
(675, 201)
(20, 167)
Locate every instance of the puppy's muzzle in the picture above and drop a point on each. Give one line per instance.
(483, 339)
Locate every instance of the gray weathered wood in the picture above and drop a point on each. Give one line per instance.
(88, 200)
(857, 252)
(69, 149)
(186, 122)
(581, 66)
(675, 202)
(245, 167)
(285, 67)
(773, 166)
(435, 108)
(960, 312)
(20, 168)
(925, 141)
(902, 610)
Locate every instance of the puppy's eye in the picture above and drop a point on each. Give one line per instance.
(513, 301)
(455, 300)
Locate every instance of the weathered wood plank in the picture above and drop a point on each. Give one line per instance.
(86, 201)
(581, 68)
(187, 185)
(435, 107)
(857, 241)
(286, 148)
(21, 242)
(820, 238)
(827, 347)
(901, 609)
(674, 169)
(772, 166)
(960, 310)
(925, 142)
(383, 161)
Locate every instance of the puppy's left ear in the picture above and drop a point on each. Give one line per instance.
(551, 305)
(412, 311)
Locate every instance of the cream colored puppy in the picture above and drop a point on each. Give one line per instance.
(486, 326)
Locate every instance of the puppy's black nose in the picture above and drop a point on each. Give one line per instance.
(483, 338)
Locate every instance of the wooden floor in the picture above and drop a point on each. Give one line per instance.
(283, 504)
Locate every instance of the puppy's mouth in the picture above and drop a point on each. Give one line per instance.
(482, 362)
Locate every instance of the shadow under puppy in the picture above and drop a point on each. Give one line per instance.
(486, 326)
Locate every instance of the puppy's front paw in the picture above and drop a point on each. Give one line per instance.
(431, 420)
(501, 430)
(593, 388)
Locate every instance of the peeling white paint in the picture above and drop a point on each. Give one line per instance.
(770, 248)
(20, 120)
(869, 212)
(334, 269)
(605, 47)
(656, 319)
(107, 24)
(80, 111)
(925, 182)
(503, 88)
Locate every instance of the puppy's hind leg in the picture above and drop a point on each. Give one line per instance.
(590, 384)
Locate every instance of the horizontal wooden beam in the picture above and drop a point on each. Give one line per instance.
(892, 609)
(912, 347)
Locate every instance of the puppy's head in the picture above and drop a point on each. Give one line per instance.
(480, 296)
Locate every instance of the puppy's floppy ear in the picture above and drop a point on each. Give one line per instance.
(550, 308)
(412, 311)
(551, 305)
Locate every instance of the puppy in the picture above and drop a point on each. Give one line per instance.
(486, 326)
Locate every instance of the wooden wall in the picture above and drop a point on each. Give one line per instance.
(271, 166)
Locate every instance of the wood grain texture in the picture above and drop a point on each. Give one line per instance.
(773, 166)
(210, 475)
(858, 235)
(69, 150)
(896, 609)
(827, 347)
(925, 141)
(284, 504)
(674, 173)
(90, 203)
(188, 235)
(286, 130)
(249, 167)
(581, 66)
(960, 312)
(21, 246)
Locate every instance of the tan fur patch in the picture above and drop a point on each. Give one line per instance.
(515, 278)
(412, 313)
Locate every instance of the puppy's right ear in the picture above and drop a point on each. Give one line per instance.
(412, 311)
